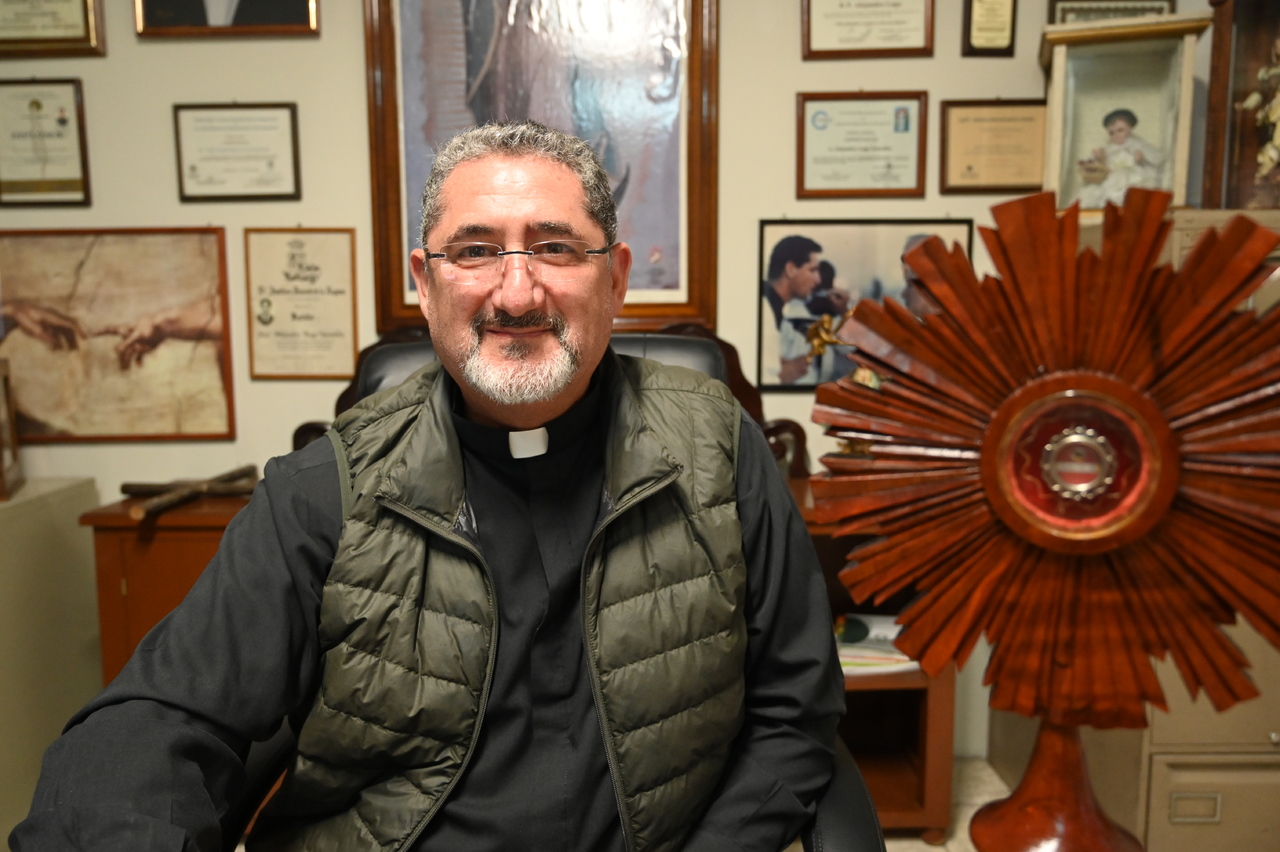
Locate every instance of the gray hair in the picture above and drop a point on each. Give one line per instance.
(520, 139)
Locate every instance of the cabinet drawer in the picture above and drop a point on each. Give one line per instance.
(1253, 724)
(1202, 802)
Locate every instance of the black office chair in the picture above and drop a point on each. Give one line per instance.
(846, 818)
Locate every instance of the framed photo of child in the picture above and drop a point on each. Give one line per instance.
(1119, 107)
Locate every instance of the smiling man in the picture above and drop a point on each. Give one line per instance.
(540, 596)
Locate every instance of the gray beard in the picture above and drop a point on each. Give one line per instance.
(512, 380)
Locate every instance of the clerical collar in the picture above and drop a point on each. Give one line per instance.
(567, 429)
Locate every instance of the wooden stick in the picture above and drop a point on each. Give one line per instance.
(182, 491)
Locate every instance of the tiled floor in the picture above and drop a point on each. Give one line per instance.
(975, 784)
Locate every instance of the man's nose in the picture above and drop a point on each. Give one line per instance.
(518, 291)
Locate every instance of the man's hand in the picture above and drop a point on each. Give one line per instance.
(792, 369)
(50, 326)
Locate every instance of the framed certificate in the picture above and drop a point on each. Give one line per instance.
(302, 302)
(51, 28)
(992, 146)
(866, 29)
(1075, 11)
(860, 144)
(989, 26)
(43, 157)
(237, 152)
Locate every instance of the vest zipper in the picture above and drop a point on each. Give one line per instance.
(449, 536)
(611, 757)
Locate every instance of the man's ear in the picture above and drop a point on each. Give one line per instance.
(619, 272)
(418, 268)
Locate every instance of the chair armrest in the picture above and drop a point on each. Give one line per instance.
(777, 432)
(846, 818)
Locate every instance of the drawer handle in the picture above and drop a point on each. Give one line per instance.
(1275, 738)
(1195, 808)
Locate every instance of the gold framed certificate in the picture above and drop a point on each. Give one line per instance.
(51, 28)
(992, 146)
(866, 29)
(237, 152)
(43, 157)
(302, 302)
(989, 26)
(860, 144)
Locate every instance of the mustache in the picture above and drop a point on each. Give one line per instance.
(533, 319)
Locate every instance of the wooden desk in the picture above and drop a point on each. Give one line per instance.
(145, 568)
(899, 727)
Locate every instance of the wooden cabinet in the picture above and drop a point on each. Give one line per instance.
(1195, 779)
(899, 727)
(145, 568)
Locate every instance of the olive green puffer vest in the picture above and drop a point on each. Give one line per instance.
(408, 619)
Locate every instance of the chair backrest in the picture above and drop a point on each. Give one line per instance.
(389, 365)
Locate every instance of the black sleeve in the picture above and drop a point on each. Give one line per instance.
(795, 691)
(150, 763)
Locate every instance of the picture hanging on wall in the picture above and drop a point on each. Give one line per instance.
(44, 160)
(839, 29)
(813, 272)
(861, 144)
(194, 18)
(237, 152)
(42, 28)
(117, 335)
(10, 466)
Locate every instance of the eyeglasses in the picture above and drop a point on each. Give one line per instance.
(550, 262)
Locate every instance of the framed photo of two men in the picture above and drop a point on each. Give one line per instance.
(813, 272)
(634, 79)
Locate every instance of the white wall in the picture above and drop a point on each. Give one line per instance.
(128, 100)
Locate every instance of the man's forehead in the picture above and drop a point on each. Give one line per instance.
(468, 194)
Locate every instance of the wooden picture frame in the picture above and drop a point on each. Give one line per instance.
(1078, 11)
(217, 143)
(1133, 72)
(1244, 89)
(301, 286)
(831, 29)
(44, 155)
(990, 28)
(62, 28)
(840, 137)
(11, 477)
(865, 256)
(117, 335)
(184, 19)
(992, 147)
(687, 290)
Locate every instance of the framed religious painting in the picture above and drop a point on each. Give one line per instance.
(1242, 134)
(40, 28)
(117, 335)
(44, 159)
(188, 19)
(11, 477)
(636, 80)
(1119, 107)
(861, 144)
(841, 29)
(813, 272)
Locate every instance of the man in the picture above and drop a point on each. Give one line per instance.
(792, 276)
(537, 597)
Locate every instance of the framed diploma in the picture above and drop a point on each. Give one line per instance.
(43, 157)
(992, 146)
(866, 29)
(302, 302)
(237, 152)
(860, 144)
(184, 18)
(10, 468)
(988, 27)
(51, 28)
